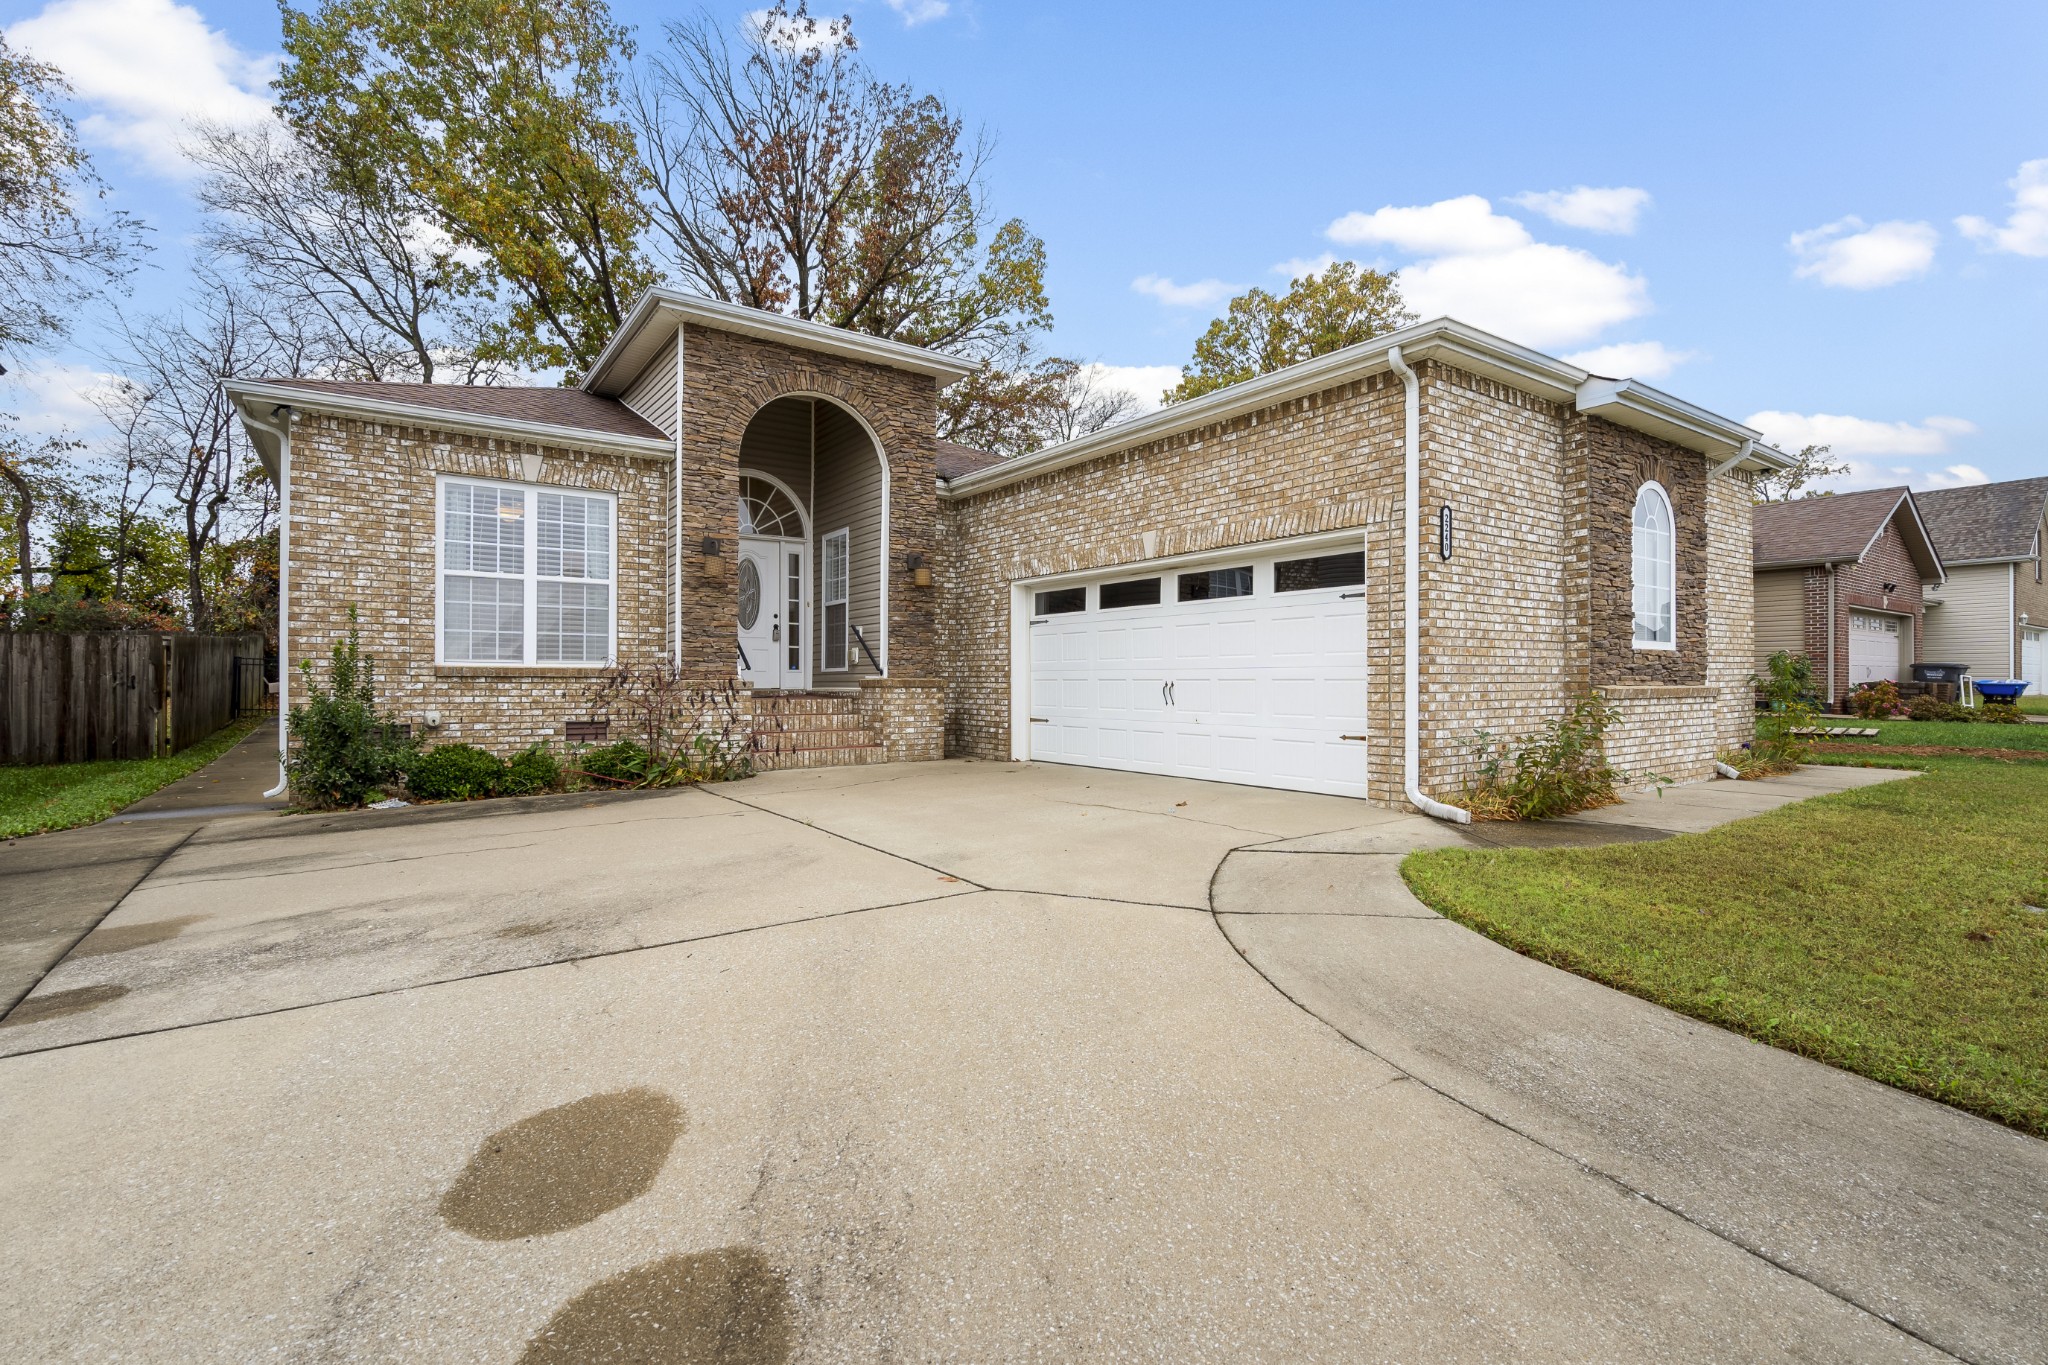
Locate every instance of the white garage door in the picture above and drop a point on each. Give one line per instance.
(2034, 659)
(1248, 670)
(1874, 644)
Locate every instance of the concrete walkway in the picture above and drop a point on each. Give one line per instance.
(945, 1061)
(56, 887)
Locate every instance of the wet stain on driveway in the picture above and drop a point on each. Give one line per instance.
(565, 1166)
(727, 1306)
(57, 1004)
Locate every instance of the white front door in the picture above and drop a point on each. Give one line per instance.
(1250, 669)
(1876, 642)
(772, 596)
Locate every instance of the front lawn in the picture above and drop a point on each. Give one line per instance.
(1884, 930)
(2033, 705)
(34, 800)
(1948, 734)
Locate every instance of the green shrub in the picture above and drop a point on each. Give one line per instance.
(455, 772)
(1562, 769)
(2000, 713)
(1932, 708)
(343, 750)
(1790, 682)
(532, 770)
(623, 764)
(1876, 701)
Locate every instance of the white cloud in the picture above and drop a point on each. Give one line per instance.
(1860, 436)
(1200, 294)
(1847, 254)
(1631, 359)
(917, 12)
(1465, 225)
(1294, 269)
(2026, 231)
(1144, 382)
(1614, 209)
(794, 35)
(144, 69)
(58, 399)
(1484, 268)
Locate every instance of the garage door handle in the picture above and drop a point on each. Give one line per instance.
(1347, 596)
(1359, 738)
(1040, 720)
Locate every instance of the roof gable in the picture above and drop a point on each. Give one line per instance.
(1989, 521)
(1839, 528)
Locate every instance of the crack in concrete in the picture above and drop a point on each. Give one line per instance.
(1217, 917)
(119, 901)
(1172, 815)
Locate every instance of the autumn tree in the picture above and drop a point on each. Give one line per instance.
(379, 290)
(53, 249)
(1812, 464)
(1319, 313)
(786, 176)
(501, 122)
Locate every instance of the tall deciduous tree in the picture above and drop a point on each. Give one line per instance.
(786, 176)
(386, 294)
(501, 119)
(52, 251)
(1810, 465)
(1261, 332)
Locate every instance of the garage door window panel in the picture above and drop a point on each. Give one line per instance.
(1322, 571)
(1132, 592)
(1209, 584)
(1060, 602)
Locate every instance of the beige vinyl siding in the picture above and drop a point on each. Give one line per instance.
(778, 442)
(848, 481)
(1780, 614)
(1973, 624)
(653, 393)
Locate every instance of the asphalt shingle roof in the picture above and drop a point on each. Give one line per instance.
(555, 407)
(1986, 520)
(1815, 530)
(957, 461)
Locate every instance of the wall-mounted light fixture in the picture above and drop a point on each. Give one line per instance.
(1443, 532)
(1890, 588)
(714, 558)
(920, 571)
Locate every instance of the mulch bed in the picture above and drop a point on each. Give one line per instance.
(1930, 751)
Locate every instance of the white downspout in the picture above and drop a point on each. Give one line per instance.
(1831, 637)
(1411, 614)
(284, 585)
(675, 537)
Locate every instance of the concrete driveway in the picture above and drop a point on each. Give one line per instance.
(943, 1062)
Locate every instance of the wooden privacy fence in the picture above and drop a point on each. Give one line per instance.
(117, 694)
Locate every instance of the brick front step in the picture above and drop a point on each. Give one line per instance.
(818, 720)
(851, 737)
(846, 757)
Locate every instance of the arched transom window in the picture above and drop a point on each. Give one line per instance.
(766, 510)
(1654, 570)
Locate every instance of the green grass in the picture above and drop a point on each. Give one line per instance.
(35, 800)
(1883, 930)
(1960, 734)
(2034, 706)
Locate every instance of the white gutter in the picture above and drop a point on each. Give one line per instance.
(284, 582)
(1411, 556)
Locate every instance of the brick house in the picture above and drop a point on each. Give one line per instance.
(1844, 580)
(1223, 589)
(1992, 613)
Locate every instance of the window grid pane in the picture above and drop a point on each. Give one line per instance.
(483, 619)
(483, 529)
(572, 623)
(1653, 590)
(573, 536)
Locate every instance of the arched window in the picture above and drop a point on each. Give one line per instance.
(1654, 570)
(766, 510)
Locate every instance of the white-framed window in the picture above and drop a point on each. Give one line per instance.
(526, 574)
(1654, 569)
(834, 570)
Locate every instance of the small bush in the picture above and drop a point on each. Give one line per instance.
(1562, 769)
(1876, 701)
(345, 750)
(532, 770)
(1790, 682)
(1933, 708)
(455, 772)
(2001, 713)
(623, 764)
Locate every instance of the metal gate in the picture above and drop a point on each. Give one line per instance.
(252, 694)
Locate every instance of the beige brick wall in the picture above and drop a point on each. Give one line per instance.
(1731, 613)
(362, 534)
(1505, 623)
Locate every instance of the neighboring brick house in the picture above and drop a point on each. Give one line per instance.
(1215, 590)
(1992, 614)
(1842, 579)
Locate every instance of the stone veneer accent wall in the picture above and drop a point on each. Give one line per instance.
(363, 534)
(1504, 622)
(1618, 462)
(727, 378)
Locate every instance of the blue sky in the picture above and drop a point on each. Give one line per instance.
(1831, 218)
